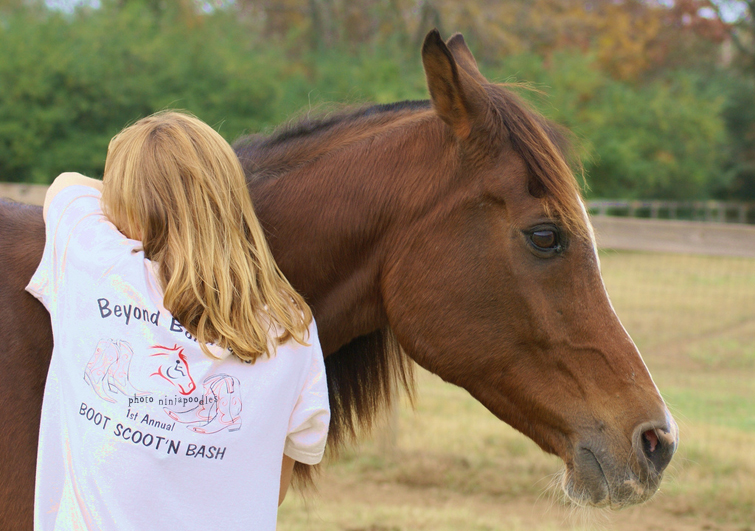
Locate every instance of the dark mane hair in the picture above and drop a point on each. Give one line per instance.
(303, 139)
(365, 374)
(308, 126)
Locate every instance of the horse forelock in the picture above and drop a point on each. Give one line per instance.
(547, 151)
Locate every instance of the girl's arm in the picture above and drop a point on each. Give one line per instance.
(287, 470)
(67, 179)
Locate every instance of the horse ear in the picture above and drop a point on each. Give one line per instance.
(457, 96)
(464, 57)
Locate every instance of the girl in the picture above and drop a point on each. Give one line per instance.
(186, 376)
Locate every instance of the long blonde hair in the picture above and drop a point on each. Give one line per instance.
(174, 183)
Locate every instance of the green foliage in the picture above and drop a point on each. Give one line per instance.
(664, 139)
(739, 114)
(380, 75)
(69, 82)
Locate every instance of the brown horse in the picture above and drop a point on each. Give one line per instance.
(448, 232)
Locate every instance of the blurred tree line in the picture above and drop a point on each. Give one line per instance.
(660, 94)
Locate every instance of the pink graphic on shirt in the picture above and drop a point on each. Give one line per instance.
(108, 370)
(174, 368)
(220, 406)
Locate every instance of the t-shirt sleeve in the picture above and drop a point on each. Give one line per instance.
(70, 206)
(308, 426)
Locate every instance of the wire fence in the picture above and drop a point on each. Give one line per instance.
(673, 281)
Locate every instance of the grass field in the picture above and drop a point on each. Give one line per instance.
(455, 467)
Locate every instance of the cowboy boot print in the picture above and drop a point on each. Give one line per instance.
(200, 413)
(204, 411)
(227, 410)
(97, 370)
(118, 373)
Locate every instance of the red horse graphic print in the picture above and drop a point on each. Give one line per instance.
(174, 368)
(219, 408)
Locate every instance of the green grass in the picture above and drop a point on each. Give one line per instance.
(456, 467)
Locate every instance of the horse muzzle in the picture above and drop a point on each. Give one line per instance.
(605, 474)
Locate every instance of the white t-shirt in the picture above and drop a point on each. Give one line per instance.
(141, 430)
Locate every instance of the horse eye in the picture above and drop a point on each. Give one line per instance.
(544, 239)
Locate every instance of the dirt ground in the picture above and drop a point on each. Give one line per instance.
(344, 505)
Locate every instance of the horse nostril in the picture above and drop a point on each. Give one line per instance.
(658, 445)
(649, 442)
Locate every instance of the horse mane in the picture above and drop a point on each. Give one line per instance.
(308, 126)
(304, 139)
(365, 374)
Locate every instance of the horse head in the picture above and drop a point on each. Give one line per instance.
(498, 289)
(173, 367)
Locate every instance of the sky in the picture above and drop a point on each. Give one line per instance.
(731, 10)
(68, 6)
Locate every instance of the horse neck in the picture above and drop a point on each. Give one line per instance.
(337, 204)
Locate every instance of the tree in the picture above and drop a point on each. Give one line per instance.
(71, 81)
(742, 29)
(739, 112)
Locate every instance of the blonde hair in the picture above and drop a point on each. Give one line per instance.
(174, 183)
